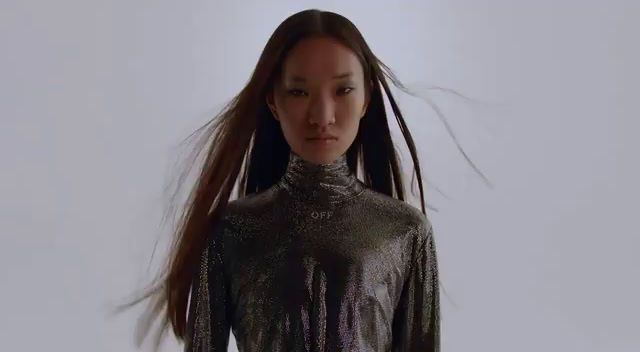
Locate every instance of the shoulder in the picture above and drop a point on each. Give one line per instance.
(409, 225)
(248, 211)
(252, 203)
(402, 214)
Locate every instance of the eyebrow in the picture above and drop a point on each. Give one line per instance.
(340, 76)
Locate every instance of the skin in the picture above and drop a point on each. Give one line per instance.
(310, 100)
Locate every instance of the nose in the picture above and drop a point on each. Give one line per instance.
(322, 111)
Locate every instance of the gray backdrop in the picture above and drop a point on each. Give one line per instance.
(95, 95)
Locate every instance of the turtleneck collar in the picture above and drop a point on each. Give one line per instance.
(320, 183)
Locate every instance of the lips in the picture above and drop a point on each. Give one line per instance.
(322, 138)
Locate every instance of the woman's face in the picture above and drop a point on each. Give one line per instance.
(320, 99)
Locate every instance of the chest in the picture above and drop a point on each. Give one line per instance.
(334, 238)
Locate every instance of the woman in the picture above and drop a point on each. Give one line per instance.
(308, 257)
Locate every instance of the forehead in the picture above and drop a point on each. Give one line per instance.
(320, 58)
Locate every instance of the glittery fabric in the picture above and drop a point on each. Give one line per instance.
(318, 262)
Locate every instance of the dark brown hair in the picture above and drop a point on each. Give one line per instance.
(245, 140)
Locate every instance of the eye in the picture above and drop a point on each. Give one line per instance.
(297, 92)
(345, 90)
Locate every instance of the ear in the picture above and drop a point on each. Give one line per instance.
(272, 105)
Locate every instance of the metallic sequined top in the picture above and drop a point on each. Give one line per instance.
(318, 262)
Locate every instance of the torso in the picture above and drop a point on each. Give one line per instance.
(310, 277)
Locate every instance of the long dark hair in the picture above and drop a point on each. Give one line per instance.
(245, 140)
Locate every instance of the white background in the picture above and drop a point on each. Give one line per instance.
(95, 95)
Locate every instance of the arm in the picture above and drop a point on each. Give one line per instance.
(416, 324)
(208, 322)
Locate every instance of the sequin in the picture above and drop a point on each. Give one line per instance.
(318, 262)
(202, 318)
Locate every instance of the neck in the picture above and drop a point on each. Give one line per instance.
(320, 183)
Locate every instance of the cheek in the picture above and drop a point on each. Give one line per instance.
(349, 128)
(348, 112)
(292, 117)
(294, 109)
(290, 109)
